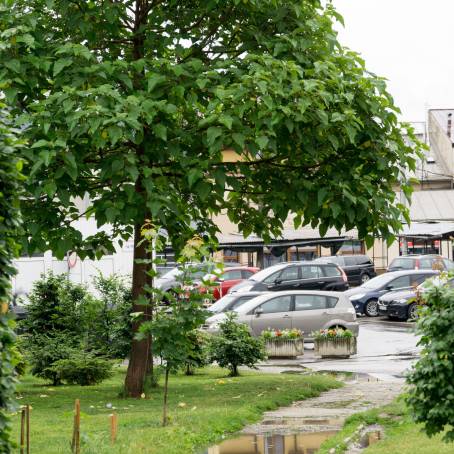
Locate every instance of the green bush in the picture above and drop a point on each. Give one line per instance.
(431, 396)
(43, 351)
(57, 323)
(199, 354)
(235, 346)
(83, 369)
(110, 331)
(58, 305)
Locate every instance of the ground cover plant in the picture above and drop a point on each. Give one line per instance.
(202, 409)
(402, 435)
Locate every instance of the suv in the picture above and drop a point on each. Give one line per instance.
(295, 276)
(421, 262)
(358, 268)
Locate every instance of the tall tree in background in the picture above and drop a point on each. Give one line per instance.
(10, 189)
(131, 102)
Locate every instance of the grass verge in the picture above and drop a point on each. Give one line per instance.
(402, 435)
(203, 409)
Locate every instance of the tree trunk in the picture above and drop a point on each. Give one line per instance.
(164, 408)
(140, 359)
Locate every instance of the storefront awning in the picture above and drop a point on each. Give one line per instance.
(439, 230)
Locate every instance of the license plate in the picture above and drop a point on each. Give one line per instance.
(381, 307)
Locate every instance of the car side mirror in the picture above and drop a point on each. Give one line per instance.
(389, 287)
(258, 312)
(278, 281)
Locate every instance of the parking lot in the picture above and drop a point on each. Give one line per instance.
(386, 349)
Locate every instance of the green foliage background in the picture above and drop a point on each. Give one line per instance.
(10, 189)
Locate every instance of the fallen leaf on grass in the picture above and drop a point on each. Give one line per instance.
(182, 404)
(43, 395)
(236, 397)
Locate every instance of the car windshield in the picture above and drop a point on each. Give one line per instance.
(378, 281)
(263, 274)
(403, 263)
(222, 303)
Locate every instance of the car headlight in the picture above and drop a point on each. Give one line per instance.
(402, 301)
(358, 296)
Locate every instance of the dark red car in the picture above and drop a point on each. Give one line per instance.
(230, 277)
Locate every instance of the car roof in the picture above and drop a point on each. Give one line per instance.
(415, 256)
(405, 272)
(260, 299)
(242, 267)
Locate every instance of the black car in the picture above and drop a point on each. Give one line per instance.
(365, 297)
(403, 305)
(421, 262)
(358, 268)
(295, 276)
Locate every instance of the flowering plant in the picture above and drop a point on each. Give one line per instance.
(333, 333)
(285, 334)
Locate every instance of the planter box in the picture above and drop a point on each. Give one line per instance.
(335, 348)
(279, 348)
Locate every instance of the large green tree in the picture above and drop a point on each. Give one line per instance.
(131, 103)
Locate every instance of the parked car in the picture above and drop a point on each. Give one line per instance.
(171, 280)
(308, 311)
(403, 305)
(365, 297)
(295, 276)
(229, 278)
(358, 268)
(421, 262)
(232, 301)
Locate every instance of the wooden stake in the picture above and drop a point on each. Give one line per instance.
(75, 445)
(27, 414)
(113, 427)
(22, 431)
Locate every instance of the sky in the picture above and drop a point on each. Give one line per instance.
(411, 43)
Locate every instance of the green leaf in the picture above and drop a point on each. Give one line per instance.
(154, 80)
(212, 134)
(50, 188)
(194, 175)
(161, 131)
(262, 142)
(226, 120)
(239, 139)
(61, 64)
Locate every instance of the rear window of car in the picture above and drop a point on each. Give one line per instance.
(350, 261)
(246, 274)
(232, 275)
(403, 263)
(331, 271)
(426, 263)
(363, 260)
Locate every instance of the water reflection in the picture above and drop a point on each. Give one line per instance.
(301, 443)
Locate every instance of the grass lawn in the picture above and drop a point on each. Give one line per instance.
(402, 436)
(203, 408)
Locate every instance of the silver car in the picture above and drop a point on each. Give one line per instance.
(305, 310)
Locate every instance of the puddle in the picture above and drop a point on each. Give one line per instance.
(299, 443)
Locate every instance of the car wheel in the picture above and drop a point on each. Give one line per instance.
(364, 278)
(412, 311)
(371, 308)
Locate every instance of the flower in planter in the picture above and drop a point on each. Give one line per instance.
(333, 333)
(285, 334)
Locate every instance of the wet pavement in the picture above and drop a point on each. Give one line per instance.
(373, 377)
(386, 349)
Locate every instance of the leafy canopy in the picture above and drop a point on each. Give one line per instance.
(131, 104)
